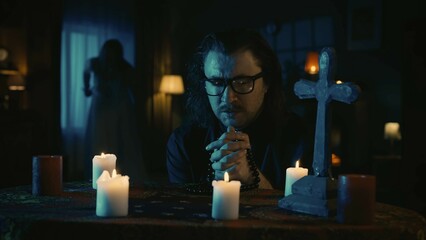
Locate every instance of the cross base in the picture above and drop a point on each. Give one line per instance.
(312, 195)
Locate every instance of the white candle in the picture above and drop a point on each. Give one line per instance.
(292, 175)
(100, 163)
(112, 195)
(226, 199)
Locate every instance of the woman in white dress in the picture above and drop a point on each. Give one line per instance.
(111, 125)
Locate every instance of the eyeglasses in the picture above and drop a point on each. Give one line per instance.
(241, 85)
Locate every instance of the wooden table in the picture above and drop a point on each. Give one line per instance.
(170, 212)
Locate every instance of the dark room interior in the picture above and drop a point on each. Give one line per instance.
(379, 46)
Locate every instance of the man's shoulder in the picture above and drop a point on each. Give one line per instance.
(189, 130)
(188, 136)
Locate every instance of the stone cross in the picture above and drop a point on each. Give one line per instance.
(325, 90)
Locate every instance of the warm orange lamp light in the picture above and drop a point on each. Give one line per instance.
(15, 80)
(392, 131)
(172, 84)
(335, 160)
(311, 64)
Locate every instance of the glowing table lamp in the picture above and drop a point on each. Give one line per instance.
(311, 64)
(172, 84)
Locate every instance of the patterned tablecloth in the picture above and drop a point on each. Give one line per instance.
(164, 212)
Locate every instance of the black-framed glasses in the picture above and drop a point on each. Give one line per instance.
(241, 85)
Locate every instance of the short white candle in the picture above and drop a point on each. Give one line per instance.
(112, 195)
(226, 199)
(100, 163)
(292, 175)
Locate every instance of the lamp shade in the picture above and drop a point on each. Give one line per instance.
(172, 84)
(16, 82)
(311, 64)
(392, 131)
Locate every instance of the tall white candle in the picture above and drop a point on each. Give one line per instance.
(112, 195)
(226, 199)
(100, 163)
(292, 175)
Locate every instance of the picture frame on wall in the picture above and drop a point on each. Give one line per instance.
(364, 24)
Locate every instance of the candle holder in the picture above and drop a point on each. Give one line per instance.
(312, 195)
(47, 175)
(356, 199)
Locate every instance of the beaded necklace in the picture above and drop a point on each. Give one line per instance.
(207, 188)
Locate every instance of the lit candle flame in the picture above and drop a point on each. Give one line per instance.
(297, 163)
(313, 69)
(226, 177)
(102, 154)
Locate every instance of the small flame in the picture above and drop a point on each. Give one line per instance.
(297, 163)
(226, 177)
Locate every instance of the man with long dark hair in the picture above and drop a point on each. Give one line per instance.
(238, 122)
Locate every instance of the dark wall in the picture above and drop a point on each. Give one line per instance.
(43, 29)
(30, 126)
